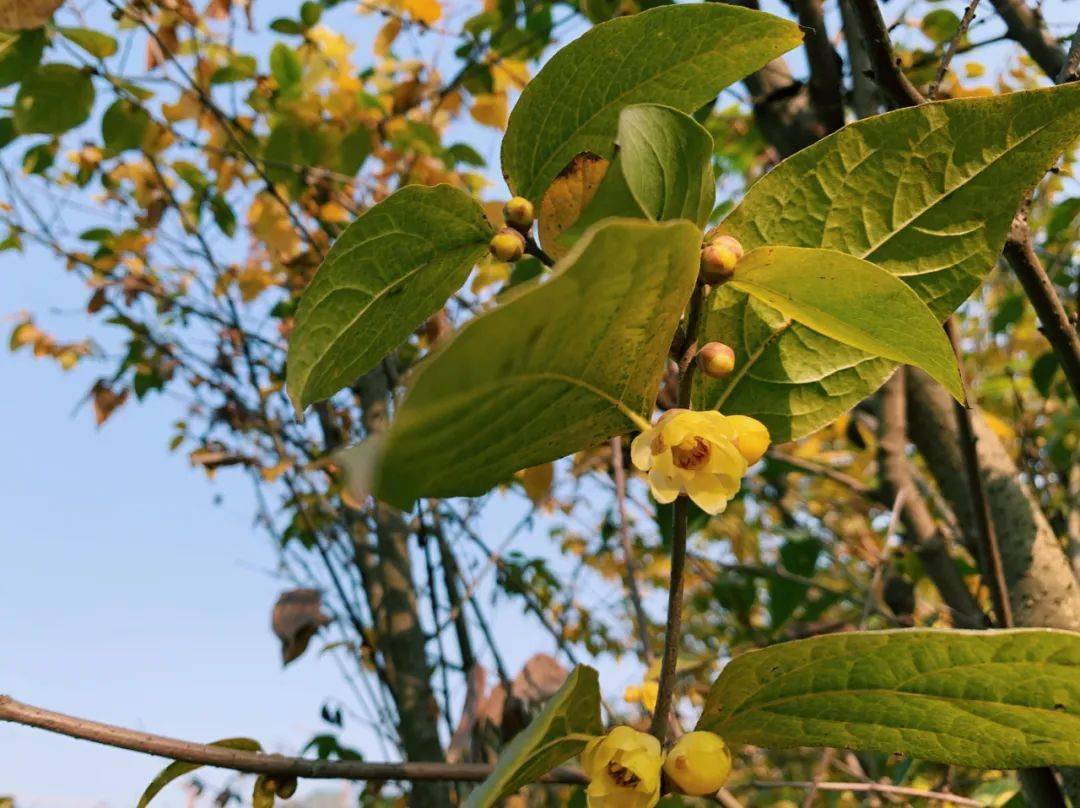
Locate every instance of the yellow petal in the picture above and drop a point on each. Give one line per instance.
(709, 493)
(640, 449)
(664, 488)
(751, 437)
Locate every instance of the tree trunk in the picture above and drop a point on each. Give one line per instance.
(386, 572)
(1042, 588)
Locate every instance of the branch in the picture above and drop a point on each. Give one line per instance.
(950, 49)
(919, 526)
(869, 788)
(1070, 71)
(887, 70)
(1025, 27)
(989, 550)
(1058, 329)
(17, 712)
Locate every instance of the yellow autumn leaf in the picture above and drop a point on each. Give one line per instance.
(425, 11)
(490, 109)
(567, 197)
(509, 74)
(270, 224)
(537, 482)
(386, 36)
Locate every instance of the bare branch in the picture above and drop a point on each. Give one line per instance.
(17, 712)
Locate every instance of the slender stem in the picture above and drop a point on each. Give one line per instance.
(673, 630)
(252, 762)
(870, 788)
(629, 562)
(680, 512)
(950, 49)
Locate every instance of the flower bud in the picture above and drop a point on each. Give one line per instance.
(286, 787)
(519, 213)
(718, 259)
(698, 764)
(507, 245)
(716, 359)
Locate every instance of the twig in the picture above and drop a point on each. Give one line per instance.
(993, 568)
(811, 467)
(629, 562)
(250, 762)
(950, 49)
(1070, 71)
(1058, 329)
(887, 70)
(869, 788)
(680, 511)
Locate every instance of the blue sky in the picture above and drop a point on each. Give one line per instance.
(131, 590)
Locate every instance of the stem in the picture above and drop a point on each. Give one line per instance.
(251, 762)
(630, 565)
(673, 631)
(680, 511)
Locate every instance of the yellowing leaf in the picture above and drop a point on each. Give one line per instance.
(386, 36)
(425, 11)
(27, 13)
(270, 224)
(537, 482)
(490, 109)
(567, 197)
(509, 74)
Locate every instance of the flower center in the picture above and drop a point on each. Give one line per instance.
(622, 775)
(691, 454)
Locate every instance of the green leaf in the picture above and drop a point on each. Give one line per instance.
(93, 42)
(179, 768)
(851, 301)
(940, 25)
(681, 56)
(285, 65)
(663, 170)
(987, 699)
(124, 125)
(927, 193)
(560, 731)
(391, 268)
(20, 52)
(53, 99)
(564, 364)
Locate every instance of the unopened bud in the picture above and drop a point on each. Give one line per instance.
(716, 359)
(718, 259)
(507, 245)
(286, 788)
(698, 764)
(519, 213)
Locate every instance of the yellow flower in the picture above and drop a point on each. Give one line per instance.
(624, 769)
(701, 454)
(698, 764)
(645, 693)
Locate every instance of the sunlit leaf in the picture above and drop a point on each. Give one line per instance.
(853, 302)
(562, 365)
(93, 42)
(663, 170)
(927, 193)
(391, 268)
(179, 768)
(987, 699)
(559, 732)
(681, 56)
